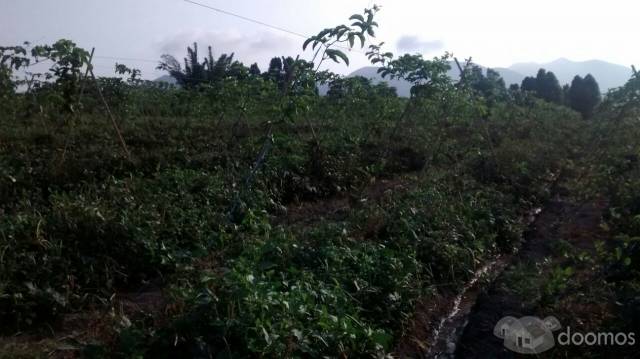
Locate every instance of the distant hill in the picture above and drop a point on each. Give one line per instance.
(404, 87)
(167, 79)
(607, 74)
(510, 76)
(371, 73)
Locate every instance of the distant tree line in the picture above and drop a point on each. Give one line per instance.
(194, 72)
(583, 95)
(209, 70)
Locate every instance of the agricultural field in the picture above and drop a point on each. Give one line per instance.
(242, 214)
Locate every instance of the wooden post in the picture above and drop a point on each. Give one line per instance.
(78, 104)
(86, 73)
(462, 70)
(111, 116)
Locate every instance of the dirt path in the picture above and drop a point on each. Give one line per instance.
(516, 292)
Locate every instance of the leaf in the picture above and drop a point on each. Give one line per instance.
(351, 40)
(333, 54)
(323, 33)
(341, 32)
(362, 39)
(267, 337)
(357, 17)
(307, 42)
(32, 288)
(381, 338)
(360, 25)
(297, 333)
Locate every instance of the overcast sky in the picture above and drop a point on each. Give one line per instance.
(495, 33)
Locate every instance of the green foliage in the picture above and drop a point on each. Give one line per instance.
(529, 84)
(423, 74)
(111, 225)
(68, 59)
(371, 205)
(210, 71)
(325, 42)
(545, 86)
(491, 86)
(254, 70)
(613, 170)
(548, 87)
(68, 62)
(584, 95)
(357, 88)
(103, 238)
(134, 74)
(11, 58)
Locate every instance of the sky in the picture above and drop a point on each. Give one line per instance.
(495, 33)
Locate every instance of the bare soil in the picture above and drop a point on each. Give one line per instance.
(577, 224)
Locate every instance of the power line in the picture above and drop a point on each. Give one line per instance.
(247, 19)
(225, 12)
(125, 59)
(274, 27)
(42, 63)
(115, 58)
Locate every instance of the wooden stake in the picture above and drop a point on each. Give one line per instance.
(86, 73)
(79, 103)
(111, 116)
(462, 70)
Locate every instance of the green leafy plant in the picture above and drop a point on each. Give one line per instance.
(326, 42)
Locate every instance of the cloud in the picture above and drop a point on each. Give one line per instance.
(248, 48)
(410, 43)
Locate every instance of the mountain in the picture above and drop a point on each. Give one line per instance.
(607, 74)
(371, 72)
(167, 79)
(510, 76)
(404, 87)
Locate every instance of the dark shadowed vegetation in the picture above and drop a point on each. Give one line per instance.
(240, 213)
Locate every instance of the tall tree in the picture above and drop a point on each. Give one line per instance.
(194, 70)
(490, 86)
(254, 70)
(529, 84)
(547, 87)
(584, 95)
(274, 73)
(553, 91)
(209, 71)
(282, 70)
